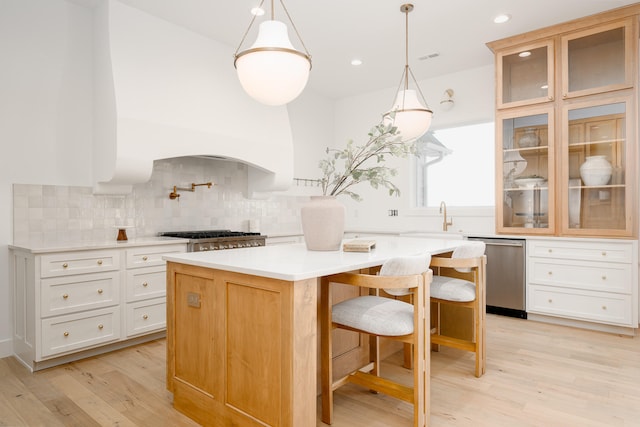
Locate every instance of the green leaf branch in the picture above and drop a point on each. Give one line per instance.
(365, 163)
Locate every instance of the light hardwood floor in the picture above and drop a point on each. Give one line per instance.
(537, 375)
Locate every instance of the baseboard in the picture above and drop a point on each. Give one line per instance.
(6, 348)
(601, 327)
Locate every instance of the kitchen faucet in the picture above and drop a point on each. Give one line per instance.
(443, 210)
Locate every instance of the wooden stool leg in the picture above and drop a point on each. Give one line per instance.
(326, 368)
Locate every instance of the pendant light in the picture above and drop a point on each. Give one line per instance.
(412, 114)
(272, 71)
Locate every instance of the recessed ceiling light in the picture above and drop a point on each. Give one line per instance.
(356, 62)
(502, 18)
(257, 11)
(524, 54)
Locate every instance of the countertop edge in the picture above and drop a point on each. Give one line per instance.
(92, 245)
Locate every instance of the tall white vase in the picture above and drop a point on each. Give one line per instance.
(323, 220)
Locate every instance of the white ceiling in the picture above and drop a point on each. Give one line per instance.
(335, 31)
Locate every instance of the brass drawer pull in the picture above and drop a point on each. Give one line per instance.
(145, 284)
(100, 326)
(65, 265)
(604, 253)
(145, 317)
(66, 334)
(144, 258)
(100, 291)
(550, 301)
(604, 307)
(99, 262)
(604, 277)
(65, 296)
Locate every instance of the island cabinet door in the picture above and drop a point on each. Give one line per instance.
(241, 349)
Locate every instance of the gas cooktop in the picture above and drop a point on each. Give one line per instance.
(212, 240)
(206, 234)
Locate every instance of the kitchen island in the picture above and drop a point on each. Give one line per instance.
(242, 328)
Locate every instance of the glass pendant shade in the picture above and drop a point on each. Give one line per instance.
(272, 71)
(412, 118)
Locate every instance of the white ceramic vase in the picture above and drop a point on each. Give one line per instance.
(596, 170)
(323, 220)
(529, 138)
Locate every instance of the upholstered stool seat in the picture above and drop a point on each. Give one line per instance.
(375, 315)
(452, 289)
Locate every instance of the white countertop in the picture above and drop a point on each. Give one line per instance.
(294, 262)
(39, 247)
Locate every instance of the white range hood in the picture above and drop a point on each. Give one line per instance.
(162, 91)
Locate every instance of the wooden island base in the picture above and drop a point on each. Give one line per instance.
(241, 349)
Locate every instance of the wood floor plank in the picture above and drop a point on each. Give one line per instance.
(538, 375)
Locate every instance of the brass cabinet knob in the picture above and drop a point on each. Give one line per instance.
(550, 273)
(550, 301)
(100, 291)
(604, 307)
(145, 317)
(550, 250)
(145, 284)
(99, 262)
(100, 326)
(65, 296)
(66, 334)
(604, 277)
(144, 258)
(65, 265)
(604, 253)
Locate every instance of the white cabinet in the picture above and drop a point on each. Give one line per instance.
(74, 303)
(145, 284)
(584, 280)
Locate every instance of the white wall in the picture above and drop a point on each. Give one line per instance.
(354, 116)
(45, 110)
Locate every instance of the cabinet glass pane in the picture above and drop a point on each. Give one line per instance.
(524, 75)
(596, 166)
(596, 60)
(525, 159)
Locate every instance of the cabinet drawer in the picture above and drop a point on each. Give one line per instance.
(64, 295)
(597, 276)
(78, 331)
(148, 256)
(68, 263)
(587, 251)
(582, 305)
(145, 283)
(146, 316)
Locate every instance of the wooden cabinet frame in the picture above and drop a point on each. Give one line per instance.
(621, 85)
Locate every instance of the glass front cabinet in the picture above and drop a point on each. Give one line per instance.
(566, 128)
(527, 159)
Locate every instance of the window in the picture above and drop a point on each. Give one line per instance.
(456, 165)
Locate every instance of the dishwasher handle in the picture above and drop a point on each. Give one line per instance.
(517, 245)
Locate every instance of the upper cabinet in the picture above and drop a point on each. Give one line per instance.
(598, 59)
(566, 128)
(525, 74)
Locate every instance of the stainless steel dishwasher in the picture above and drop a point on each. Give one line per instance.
(505, 276)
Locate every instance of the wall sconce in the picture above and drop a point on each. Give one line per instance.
(447, 100)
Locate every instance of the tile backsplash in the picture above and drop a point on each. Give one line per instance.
(49, 214)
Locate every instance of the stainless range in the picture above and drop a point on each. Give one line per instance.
(213, 240)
